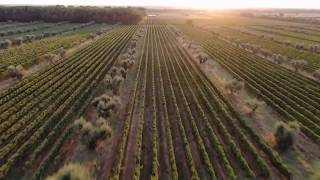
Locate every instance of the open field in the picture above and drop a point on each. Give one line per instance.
(179, 94)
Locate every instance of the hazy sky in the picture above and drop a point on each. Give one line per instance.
(181, 3)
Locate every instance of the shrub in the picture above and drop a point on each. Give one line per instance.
(15, 71)
(116, 84)
(108, 81)
(123, 72)
(62, 52)
(106, 105)
(234, 86)
(127, 63)
(49, 57)
(298, 64)
(71, 172)
(79, 123)
(285, 134)
(5, 44)
(114, 71)
(316, 74)
(253, 104)
(18, 41)
(91, 133)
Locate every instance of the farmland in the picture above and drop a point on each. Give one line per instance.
(176, 94)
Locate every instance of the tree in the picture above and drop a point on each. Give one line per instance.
(279, 59)
(127, 63)
(5, 44)
(18, 41)
(78, 14)
(62, 52)
(234, 86)
(15, 71)
(91, 133)
(116, 84)
(285, 134)
(114, 71)
(253, 104)
(49, 57)
(123, 72)
(71, 172)
(316, 74)
(108, 81)
(106, 105)
(298, 64)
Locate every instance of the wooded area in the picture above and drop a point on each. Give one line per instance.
(72, 14)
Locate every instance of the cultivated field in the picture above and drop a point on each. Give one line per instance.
(176, 95)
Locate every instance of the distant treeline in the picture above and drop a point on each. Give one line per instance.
(80, 14)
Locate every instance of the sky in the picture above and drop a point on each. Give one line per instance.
(210, 4)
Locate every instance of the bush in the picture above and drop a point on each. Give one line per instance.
(62, 52)
(108, 81)
(316, 74)
(106, 105)
(298, 64)
(253, 104)
(49, 57)
(71, 172)
(285, 134)
(114, 71)
(123, 72)
(15, 71)
(91, 133)
(234, 86)
(5, 44)
(127, 63)
(116, 84)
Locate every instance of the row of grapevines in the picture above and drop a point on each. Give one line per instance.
(57, 113)
(232, 124)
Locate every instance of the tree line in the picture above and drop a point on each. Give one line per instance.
(79, 14)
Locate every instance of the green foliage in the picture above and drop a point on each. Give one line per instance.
(72, 14)
(15, 71)
(106, 105)
(234, 86)
(91, 133)
(298, 64)
(316, 74)
(285, 134)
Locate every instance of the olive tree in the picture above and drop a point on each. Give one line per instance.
(116, 84)
(123, 72)
(285, 135)
(93, 132)
(234, 86)
(15, 71)
(62, 52)
(253, 104)
(106, 105)
(316, 74)
(298, 64)
(49, 57)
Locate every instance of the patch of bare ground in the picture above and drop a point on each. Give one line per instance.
(299, 158)
(6, 81)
